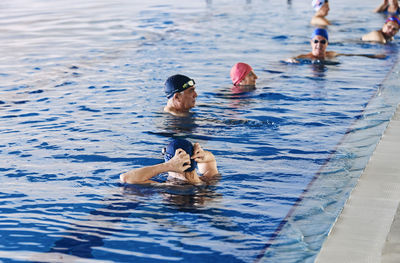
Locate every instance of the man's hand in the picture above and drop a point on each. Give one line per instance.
(198, 153)
(180, 162)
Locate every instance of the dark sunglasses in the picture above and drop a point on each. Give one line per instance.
(323, 42)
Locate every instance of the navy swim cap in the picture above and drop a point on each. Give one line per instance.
(320, 32)
(185, 145)
(177, 83)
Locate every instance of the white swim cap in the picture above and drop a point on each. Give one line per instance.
(317, 4)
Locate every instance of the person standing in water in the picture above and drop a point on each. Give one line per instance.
(319, 43)
(386, 34)
(322, 9)
(181, 94)
(181, 159)
(389, 7)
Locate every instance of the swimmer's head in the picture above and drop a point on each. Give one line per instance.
(169, 151)
(317, 4)
(391, 27)
(394, 19)
(320, 32)
(177, 83)
(239, 72)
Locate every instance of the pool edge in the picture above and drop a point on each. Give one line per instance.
(364, 230)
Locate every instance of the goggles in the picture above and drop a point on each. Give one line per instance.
(323, 41)
(188, 84)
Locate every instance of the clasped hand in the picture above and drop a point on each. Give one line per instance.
(180, 162)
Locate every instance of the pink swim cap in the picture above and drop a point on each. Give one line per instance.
(239, 72)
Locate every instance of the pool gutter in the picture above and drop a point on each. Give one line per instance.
(368, 228)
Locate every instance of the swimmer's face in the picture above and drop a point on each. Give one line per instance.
(319, 44)
(324, 10)
(390, 29)
(250, 79)
(188, 98)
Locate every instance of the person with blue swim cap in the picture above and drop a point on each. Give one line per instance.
(321, 8)
(181, 94)
(319, 43)
(181, 159)
(386, 33)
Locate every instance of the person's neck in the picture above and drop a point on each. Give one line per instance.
(392, 8)
(190, 177)
(175, 110)
(385, 36)
(320, 14)
(320, 57)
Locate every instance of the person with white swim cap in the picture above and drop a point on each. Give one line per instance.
(322, 9)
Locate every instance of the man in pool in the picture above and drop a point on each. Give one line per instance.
(319, 43)
(181, 158)
(322, 8)
(243, 75)
(386, 34)
(181, 94)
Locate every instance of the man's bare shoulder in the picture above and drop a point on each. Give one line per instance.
(374, 36)
(320, 21)
(331, 54)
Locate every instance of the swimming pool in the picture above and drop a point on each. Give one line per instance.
(81, 102)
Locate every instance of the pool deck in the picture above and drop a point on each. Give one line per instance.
(368, 229)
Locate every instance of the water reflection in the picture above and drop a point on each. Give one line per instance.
(169, 125)
(81, 237)
(180, 196)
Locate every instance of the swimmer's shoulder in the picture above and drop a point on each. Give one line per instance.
(320, 21)
(331, 54)
(374, 36)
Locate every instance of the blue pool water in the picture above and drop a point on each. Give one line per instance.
(81, 101)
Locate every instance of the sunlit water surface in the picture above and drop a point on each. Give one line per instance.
(81, 101)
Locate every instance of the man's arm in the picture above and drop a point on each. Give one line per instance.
(382, 7)
(179, 163)
(296, 59)
(206, 162)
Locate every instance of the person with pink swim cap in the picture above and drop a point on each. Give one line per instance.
(243, 75)
(322, 8)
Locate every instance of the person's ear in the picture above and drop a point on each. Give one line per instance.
(177, 96)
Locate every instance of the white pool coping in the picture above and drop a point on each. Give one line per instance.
(368, 228)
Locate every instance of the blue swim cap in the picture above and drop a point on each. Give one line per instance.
(320, 32)
(185, 145)
(177, 83)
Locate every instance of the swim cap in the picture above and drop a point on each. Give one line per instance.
(317, 4)
(239, 72)
(185, 145)
(177, 83)
(320, 32)
(394, 19)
